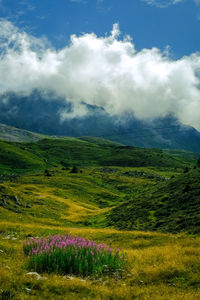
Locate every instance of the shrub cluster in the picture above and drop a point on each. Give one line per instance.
(72, 255)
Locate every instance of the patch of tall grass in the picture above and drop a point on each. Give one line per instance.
(73, 255)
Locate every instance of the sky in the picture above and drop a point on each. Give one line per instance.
(135, 56)
(151, 23)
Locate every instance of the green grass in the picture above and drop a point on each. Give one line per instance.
(116, 186)
(65, 255)
(66, 152)
(161, 266)
(126, 198)
(171, 206)
(15, 158)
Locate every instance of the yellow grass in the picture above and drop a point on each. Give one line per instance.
(158, 265)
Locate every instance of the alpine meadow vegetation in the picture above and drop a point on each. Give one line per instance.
(125, 225)
(72, 255)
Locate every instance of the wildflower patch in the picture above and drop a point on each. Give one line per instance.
(72, 255)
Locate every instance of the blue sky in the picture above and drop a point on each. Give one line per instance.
(151, 23)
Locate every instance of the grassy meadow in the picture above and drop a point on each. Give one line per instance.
(161, 266)
(39, 196)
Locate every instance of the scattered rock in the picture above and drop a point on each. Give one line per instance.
(34, 274)
(145, 175)
(171, 284)
(109, 170)
(7, 237)
(141, 281)
(69, 277)
(17, 211)
(11, 236)
(28, 290)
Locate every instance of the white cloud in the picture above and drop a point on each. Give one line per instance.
(166, 3)
(163, 3)
(102, 71)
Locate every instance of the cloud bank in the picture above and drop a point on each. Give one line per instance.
(104, 71)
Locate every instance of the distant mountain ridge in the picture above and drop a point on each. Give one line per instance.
(41, 114)
(13, 134)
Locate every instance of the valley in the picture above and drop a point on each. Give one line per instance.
(144, 201)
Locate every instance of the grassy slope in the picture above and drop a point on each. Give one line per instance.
(15, 158)
(171, 206)
(18, 157)
(62, 198)
(161, 266)
(80, 196)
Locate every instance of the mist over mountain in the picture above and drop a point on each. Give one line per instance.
(106, 72)
(41, 112)
(99, 86)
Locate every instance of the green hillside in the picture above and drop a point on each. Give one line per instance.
(66, 152)
(139, 198)
(15, 158)
(110, 185)
(135, 181)
(60, 202)
(171, 206)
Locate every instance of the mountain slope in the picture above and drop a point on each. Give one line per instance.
(12, 134)
(42, 114)
(171, 206)
(67, 152)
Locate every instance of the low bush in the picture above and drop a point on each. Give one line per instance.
(73, 255)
